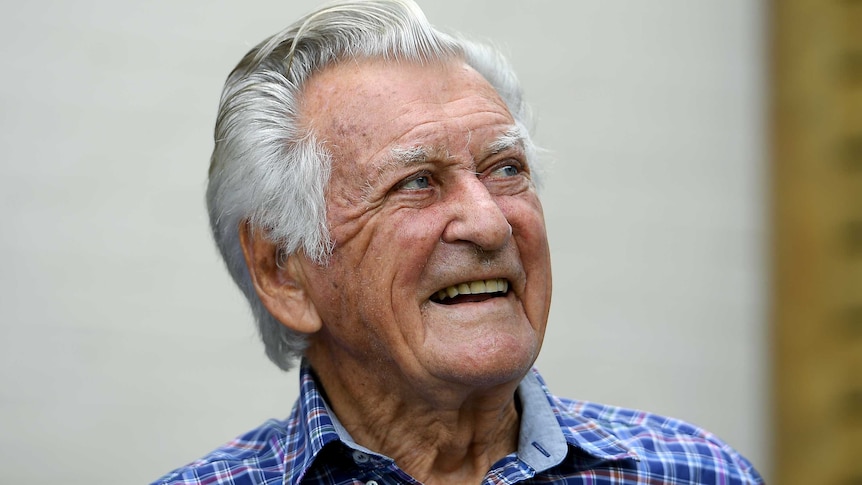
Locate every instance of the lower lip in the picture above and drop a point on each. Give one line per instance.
(493, 310)
(467, 299)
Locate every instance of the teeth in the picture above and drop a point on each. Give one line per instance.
(474, 287)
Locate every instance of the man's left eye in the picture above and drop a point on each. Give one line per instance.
(506, 171)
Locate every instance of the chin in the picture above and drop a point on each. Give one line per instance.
(490, 366)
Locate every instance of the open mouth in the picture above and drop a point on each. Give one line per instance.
(471, 291)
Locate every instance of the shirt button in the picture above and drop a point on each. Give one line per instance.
(371, 482)
(360, 457)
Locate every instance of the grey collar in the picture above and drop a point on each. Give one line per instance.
(541, 443)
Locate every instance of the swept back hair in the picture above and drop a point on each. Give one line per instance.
(270, 172)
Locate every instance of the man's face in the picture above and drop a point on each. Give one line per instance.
(430, 194)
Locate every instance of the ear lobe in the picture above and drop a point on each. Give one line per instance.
(280, 287)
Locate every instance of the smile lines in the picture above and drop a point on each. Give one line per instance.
(495, 285)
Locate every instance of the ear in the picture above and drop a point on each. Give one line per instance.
(281, 287)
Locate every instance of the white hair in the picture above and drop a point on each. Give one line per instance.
(270, 173)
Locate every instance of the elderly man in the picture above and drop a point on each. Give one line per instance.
(373, 192)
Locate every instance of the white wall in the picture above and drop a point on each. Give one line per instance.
(125, 351)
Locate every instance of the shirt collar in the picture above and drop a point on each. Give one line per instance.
(315, 427)
(589, 435)
(541, 442)
(542, 422)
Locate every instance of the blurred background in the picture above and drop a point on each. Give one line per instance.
(703, 205)
(816, 247)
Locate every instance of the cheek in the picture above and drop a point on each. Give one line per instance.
(528, 226)
(387, 254)
(347, 297)
(528, 223)
(329, 288)
(413, 236)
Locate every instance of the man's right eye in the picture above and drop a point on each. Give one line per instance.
(417, 183)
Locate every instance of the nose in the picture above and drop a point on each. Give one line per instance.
(476, 216)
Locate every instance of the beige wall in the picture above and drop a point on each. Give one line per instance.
(126, 351)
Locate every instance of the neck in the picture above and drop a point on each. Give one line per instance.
(437, 434)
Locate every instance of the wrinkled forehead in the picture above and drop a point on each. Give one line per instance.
(364, 110)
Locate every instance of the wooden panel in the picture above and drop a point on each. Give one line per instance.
(817, 240)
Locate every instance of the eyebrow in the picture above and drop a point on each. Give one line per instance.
(406, 156)
(514, 137)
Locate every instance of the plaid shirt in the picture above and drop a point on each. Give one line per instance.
(560, 441)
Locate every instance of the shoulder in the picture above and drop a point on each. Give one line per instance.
(626, 419)
(659, 445)
(255, 457)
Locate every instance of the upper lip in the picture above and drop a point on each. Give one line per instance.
(513, 277)
(445, 270)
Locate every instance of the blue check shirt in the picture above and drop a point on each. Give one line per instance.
(560, 441)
